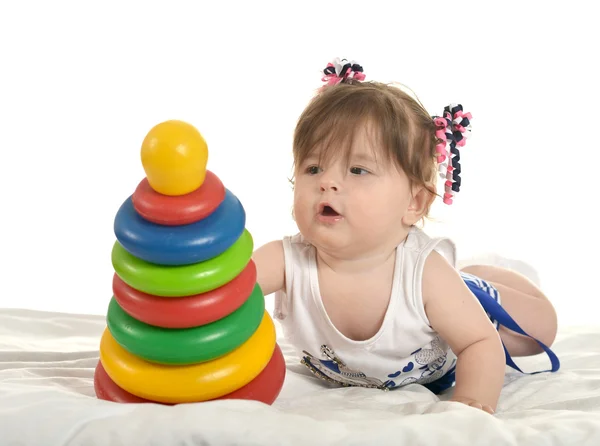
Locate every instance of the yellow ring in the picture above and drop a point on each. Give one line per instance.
(189, 383)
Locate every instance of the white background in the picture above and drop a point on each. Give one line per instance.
(82, 82)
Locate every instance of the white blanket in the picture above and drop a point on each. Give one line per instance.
(47, 398)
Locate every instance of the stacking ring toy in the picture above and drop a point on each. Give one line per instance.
(264, 388)
(181, 245)
(189, 311)
(186, 345)
(184, 280)
(179, 209)
(189, 383)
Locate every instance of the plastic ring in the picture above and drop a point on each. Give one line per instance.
(178, 209)
(265, 388)
(179, 346)
(189, 311)
(180, 245)
(189, 383)
(183, 280)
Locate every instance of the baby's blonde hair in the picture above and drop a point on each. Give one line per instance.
(400, 123)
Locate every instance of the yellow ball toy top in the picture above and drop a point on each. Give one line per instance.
(174, 155)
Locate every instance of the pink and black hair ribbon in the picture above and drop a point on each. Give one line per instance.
(453, 128)
(340, 70)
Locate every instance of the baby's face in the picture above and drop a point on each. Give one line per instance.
(352, 207)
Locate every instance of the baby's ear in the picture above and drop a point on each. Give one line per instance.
(419, 204)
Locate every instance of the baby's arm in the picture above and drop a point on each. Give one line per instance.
(270, 267)
(456, 314)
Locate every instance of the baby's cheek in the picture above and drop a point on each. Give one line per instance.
(380, 213)
(301, 211)
(374, 204)
(300, 201)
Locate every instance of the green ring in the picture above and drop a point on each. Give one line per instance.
(183, 346)
(183, 280)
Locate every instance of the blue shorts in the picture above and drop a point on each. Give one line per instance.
(477, 286)
(489, 298)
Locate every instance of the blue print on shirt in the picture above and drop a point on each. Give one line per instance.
(333, 369)
(336, 371)
(432, 359)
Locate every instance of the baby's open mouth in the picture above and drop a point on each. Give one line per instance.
(328, 211)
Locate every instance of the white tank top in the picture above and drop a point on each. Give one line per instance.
(405, 349)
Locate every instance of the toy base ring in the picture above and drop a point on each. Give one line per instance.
(189, 383)
(265, 388)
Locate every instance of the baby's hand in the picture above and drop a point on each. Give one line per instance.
(473, 403)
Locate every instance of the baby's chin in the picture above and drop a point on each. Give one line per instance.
(350, 242)
(341, 243)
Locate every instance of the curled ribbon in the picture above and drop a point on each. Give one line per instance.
(453, 129)
(340, 70)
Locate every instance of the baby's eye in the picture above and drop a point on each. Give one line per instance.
(312, 170)
(358, 171)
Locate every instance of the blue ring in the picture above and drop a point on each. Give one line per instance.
(185, 244)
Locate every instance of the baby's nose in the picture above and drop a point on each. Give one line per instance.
(329, 184)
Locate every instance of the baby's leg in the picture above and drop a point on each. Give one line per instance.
(527, 305)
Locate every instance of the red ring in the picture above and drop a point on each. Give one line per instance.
(188, 311)
(264, 388)
(181, 209)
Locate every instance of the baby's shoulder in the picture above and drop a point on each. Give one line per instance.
(416, 240)
(298, 253)
(295, 239)
(421, 245)
(297, 246)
